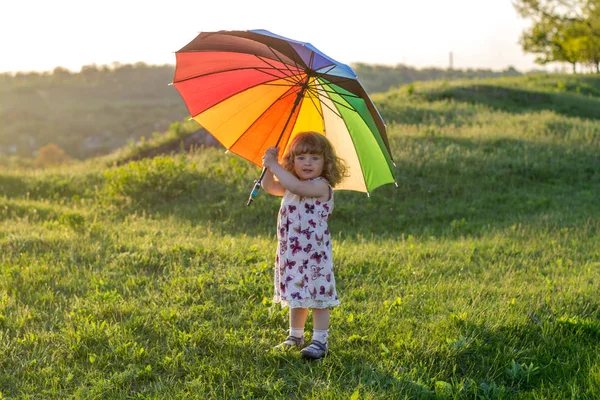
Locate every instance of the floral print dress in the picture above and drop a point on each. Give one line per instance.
(303, 265)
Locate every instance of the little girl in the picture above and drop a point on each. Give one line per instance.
(303, 264)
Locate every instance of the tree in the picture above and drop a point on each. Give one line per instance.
(591, 31)
(591, 51)
(552, 42)
(51, 155)
(554, 10)
(61, 74)
(562, 30)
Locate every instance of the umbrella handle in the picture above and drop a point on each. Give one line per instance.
(256, 187)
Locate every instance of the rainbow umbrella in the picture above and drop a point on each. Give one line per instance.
(254, 89)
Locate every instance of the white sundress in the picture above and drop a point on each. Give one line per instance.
(303, 264)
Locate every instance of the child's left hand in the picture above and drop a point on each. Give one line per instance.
(270, 157)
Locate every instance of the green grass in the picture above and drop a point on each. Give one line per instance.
(476, 278)
(567, 95)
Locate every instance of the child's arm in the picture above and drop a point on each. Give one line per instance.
(271, 186)
(312, 188)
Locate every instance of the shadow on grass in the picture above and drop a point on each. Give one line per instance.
(447, 187)
(548, 356)
(49, 185)
(10, 209)
(456, 187)
(548, 351)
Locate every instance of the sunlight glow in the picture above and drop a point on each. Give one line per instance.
(480, 34)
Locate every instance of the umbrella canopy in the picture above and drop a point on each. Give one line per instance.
(254, 89)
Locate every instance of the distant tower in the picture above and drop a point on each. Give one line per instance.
(451, 67)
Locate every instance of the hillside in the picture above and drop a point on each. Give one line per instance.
(477, 277)
(101, 108)
(434, 104)
(381, 78)
(89, 113)
(574, 96)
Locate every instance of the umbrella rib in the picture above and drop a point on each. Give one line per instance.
(265, 84)
(313, 91)
(294, 79)
(336, 101)
(291, 82)
(336, 112)
(325, 73)
(333, 91)
(330, 68)
(280, 84)
(283, 96)
(360, 164)
(260, 69)
(288, 93)
(331, 109)
(338, 78)
(266, 71)
(291, 73)
(349, 107)
(367, 101)
(281, 61)
(343, 95)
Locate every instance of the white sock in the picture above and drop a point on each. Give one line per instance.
(297, 332)
(320, 335)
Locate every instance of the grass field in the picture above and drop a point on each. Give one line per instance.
(477, 277)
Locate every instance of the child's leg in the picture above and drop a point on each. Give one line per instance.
(320, 324)
(318, 347)
(297, 321)
(320, 318)
(296, 336)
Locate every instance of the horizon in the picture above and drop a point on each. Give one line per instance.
(117, 64)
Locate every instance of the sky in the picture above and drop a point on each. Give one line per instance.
(40, 35)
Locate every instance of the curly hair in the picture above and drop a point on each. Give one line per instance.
(334, 168)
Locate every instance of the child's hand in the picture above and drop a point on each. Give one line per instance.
(270, 157)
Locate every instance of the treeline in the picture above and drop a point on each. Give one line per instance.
(381, 78)
(86, 113)
(562, 31)
(131, 80)
(101, 108)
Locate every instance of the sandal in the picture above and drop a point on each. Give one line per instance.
(291, 341)
(315, 350)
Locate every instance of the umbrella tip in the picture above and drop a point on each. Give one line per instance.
(396, 183)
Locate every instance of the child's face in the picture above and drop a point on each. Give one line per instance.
(308, 166)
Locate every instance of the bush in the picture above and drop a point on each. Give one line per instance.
(51, 155)
(150, 181)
